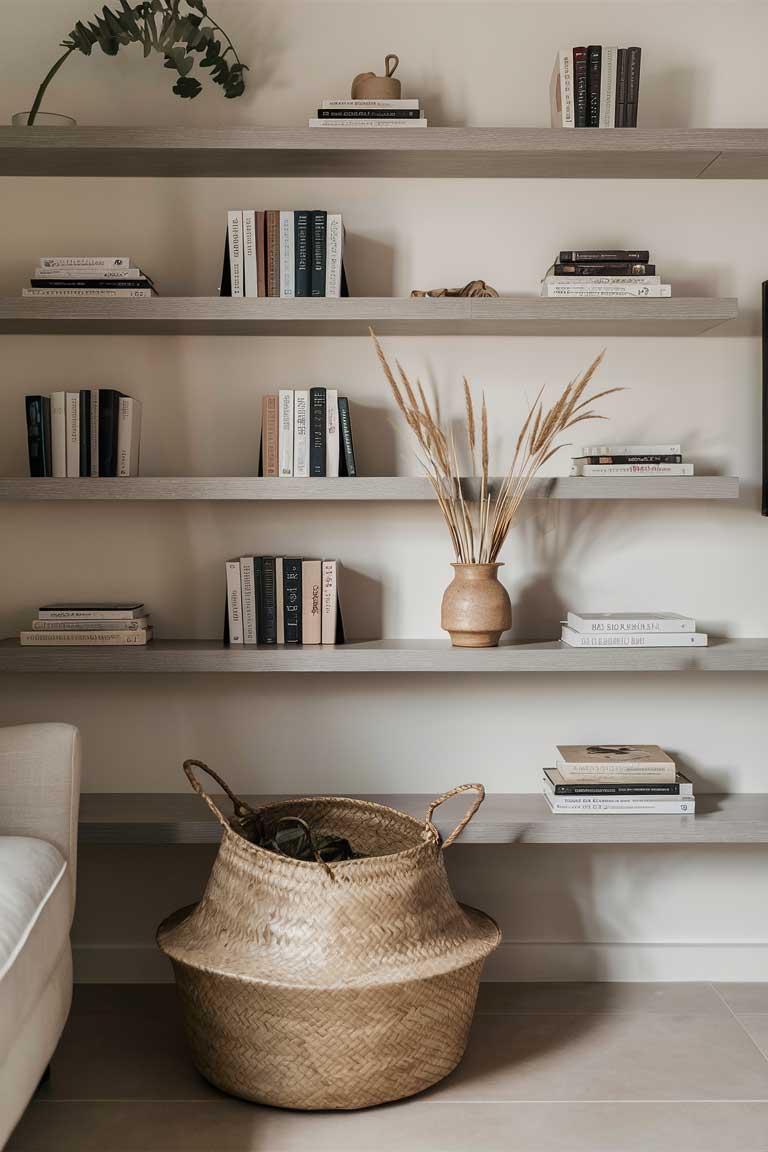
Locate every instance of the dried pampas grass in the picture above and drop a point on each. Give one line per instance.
(478, 527)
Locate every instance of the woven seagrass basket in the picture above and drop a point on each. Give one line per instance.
(312, 985)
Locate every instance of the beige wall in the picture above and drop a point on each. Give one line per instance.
(649, 912)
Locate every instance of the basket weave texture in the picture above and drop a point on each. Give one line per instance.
(310, 985)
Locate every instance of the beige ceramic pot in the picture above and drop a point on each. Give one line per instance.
(476, 608)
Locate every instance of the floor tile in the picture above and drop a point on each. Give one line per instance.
(744, 997)
(756, 1024)
(607, 997)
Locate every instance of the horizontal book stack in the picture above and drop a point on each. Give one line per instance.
(286, 254)
(604, 272)
(631, 460)
(631, 630)
(306, 433)
(93, 432)
(594, 86)
(282, 600)
(91, 624)
(369, 114)
(617, 778)
(89, 278)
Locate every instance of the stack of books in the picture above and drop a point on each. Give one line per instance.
(369, 114)
(631, 460)
(595, 86)
(93, 432)
(631, 630)
(629, 778)
(89, 277)
(306, 433)
(604, 272)
(96, 625)
(286, 254)
(283, 600)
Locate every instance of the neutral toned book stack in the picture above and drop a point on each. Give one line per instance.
(306, 433)
(604, 272)
(283, 600)
(283, 253)
(631, 630)
(631, 460)
(92, 624)
(617, 778)
(595, 86)
(89, 278)
(92, 432)
(369, 114)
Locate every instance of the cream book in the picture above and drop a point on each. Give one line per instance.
(629, 763)
(93, 639)
(311, 613)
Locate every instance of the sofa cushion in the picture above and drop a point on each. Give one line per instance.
(34, 926)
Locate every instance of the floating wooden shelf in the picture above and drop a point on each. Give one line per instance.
(368, 488)
(112, 819)
(388, 316)
(428, 656)
(473, 153)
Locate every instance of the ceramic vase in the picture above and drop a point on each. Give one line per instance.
(476, 607)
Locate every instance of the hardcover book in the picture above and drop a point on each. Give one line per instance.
(594, 68)
(250, 272)
(580, 98)
(280, 599)
(109, 405)
(285, 437)
(292, 600)
(287, 255)
(633, 640)
(112, 610)
(269, 436)
(59, 433)
(235, 252)
(311, 592)
(85, 432)
(302, 285)
(72, 424)
(249, 607)
(39, 435)
(268, 602)
(331, 432)
(128, 436)
(624, 763)
(630, 622)
(92, 639)
(608, 87)
(234, 603)
(347, 466)
(317, 424)
(318, 253)
(553, 779)
(301, 432)
(272, 225)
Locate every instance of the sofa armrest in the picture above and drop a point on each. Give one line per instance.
(40, 786)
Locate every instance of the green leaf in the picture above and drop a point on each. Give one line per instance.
(187, 87)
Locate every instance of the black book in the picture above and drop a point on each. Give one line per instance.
(620, 115)
(39, 435)
(109, 407)
(225, 288)
(626, 268)
(347, 454)
(368, 113)
(267, 633)
(301, 243)
(85, 432)
(617, 789)
(43, 283)
(633, 87)
(605, 256)
(580, 87)
(594, 69)
(629, 459)
(318, 235)
(292, 600)
(317, 419)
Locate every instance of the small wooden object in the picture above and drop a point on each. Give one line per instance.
(474, 288)
(369, 86)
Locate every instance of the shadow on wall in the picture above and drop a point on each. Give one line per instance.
(362, 605)
(369, 265)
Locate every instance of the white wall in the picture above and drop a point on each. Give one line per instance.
(653, 913)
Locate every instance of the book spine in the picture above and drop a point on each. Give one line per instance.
(89, 293)
(334, 254)
(630, 624)
(605, 268)
(58, 433)
(273, 252)
(127, 436)
(347, 465)
(302, 286)
(287, 254)
(280, 599)
(311, 593)
(317, 423)
(105, 639)
(285, 439)
(235, 241)
(330, 602)
(250, 276)
(261, 254)
(562, 105)
(372, 122)
(610, 281)
(301, 432)
(608, 88)
(72, 424)
(269, 435)
(108, 410)
(292, 600)
(135, 625)
(268, 602)
(621, 89)
(633, 87)
(234, 602)
(680, 807)
(632, 449)
(649, 459)
(589, 290)
(83, 262)
(605, 256)
(36, 436)
(633, 470)
(318, 250)
(85, 431)
(331, 432)
(378, 112)
(622, 789)
(410, 103)
(94, 425)
(248, 600)
(112, 275)
(594, 68)
(580, 99)
(86, 614)
(46, 282)
(634, 639)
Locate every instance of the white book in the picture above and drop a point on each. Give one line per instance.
(279, 602)
(285, 432)
(287, 255)
(89, 273)
(301, 432)
(584, 291)
(94, 639)
(561, 91)
(72, 426)
(632, 450)
(633, 639)
(234, 602)
(330, 601)
(591, 280)
(404, 104)
(605, 622)
(90, 293)
(632, 470)
(84, 262)
(331, 432)
(235, 243)
(249, 253)
(334, 254)
(59, 433)
(367, 122)
(248, 600)
(94, 401)
(128, 436)
(89, 625)
(679, 806)
(311, 602)
(608, 70)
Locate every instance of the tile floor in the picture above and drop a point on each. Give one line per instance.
(549, 1068)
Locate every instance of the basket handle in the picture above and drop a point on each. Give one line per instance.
(466, 819)
(240, 808)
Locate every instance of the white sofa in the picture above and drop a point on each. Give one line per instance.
(39, 799)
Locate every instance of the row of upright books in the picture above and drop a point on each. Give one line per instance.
(619, 779)
(595, 86)
(307, 432)
(282, 600)
(95, 625)
(275, 253)
(369, 114)
(93, 432)
(631, 630)
(631, 460)
(89, 277)
(604, 272)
